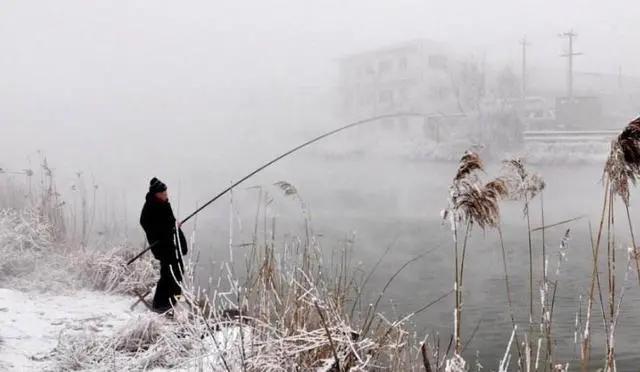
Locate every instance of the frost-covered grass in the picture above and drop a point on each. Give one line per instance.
(291, 310)
(151, 341)
(108, 271)
(289, 314)
(28, 250)
(33, 259)
(283, 320)
(39, 252)
(146, 341)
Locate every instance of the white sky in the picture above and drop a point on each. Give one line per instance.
(78, 75)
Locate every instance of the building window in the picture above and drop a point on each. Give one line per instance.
(438, 62)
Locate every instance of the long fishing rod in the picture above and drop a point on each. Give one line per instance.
(354, 124)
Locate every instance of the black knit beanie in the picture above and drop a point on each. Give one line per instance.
(156, 186)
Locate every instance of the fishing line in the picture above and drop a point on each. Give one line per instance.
(305, 144)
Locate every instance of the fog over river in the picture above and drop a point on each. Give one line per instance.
(384, 203)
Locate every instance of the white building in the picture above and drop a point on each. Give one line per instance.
(410, 76)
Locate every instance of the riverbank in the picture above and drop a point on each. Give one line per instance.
(32, 322)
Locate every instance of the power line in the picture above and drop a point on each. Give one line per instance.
(524, 43)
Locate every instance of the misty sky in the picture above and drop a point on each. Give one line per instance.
(104, 82)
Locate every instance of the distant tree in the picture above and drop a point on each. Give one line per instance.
(507, 84)
(467, 82)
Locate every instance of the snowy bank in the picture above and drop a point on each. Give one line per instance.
(31, 323)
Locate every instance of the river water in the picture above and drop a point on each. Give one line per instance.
(385, 202)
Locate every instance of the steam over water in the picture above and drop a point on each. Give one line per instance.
(385, 203)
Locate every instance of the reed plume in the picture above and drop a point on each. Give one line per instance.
(523, 185)
(472, 201)
(623, 164)
(469, 164)
(479, 203)
(629, 140)
(623, 168)
(287, 188)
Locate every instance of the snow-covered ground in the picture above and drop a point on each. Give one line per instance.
(31, 323)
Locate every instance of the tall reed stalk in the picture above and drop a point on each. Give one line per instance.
(471, 202)
(525, 186)
(508, 290)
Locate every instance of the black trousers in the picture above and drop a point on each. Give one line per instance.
(168, 287)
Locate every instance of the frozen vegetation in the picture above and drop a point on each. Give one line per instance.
(68, 306)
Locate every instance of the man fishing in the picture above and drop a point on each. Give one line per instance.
(284, 155)
(160, 226)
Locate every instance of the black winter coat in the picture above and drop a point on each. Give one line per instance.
(159, 225)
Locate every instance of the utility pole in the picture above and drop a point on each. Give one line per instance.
(524, 43)
(570, 35)
(620, 77)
